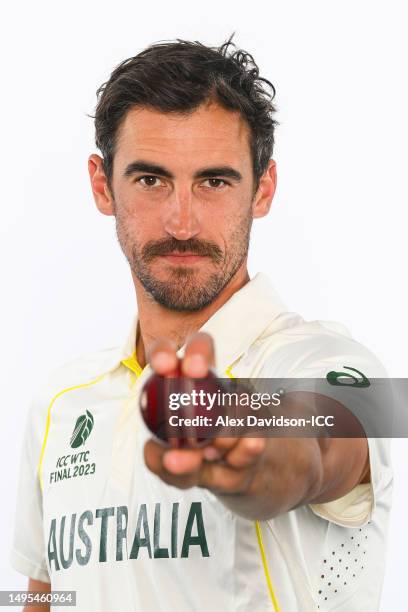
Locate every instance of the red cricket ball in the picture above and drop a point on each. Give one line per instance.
(175, 408)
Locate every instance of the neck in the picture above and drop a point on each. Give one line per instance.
(156, 321)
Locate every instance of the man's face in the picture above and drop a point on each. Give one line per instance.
(182, 190)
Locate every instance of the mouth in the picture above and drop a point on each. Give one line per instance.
(184, 258)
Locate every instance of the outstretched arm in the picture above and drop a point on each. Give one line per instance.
(259, 478)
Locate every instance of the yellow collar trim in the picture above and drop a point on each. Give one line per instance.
(133, 364)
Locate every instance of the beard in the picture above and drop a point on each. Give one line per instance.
(186, 289)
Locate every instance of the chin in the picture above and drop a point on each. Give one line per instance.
(183, 272)
(183, 296)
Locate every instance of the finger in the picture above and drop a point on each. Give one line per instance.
(218, 448)
(246, 453)
(162, 356)
(224, 445)
(182, 462)
(198, 356)
(176, 461)
(154, 458)
(210, 453)
(224, 479)
(153, 454)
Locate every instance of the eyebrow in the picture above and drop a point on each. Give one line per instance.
(211, 172)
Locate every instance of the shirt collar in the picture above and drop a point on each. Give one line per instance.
(234, 327)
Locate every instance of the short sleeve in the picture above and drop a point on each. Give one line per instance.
(358, 506)
(315, 350)
(27, 554)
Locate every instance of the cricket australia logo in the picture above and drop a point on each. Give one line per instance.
(82, 429)
(346, 379)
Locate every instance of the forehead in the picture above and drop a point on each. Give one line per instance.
(210, 133)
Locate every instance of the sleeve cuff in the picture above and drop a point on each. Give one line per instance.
(28, 568)
(352, 510)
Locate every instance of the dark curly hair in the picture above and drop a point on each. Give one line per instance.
(178, 76)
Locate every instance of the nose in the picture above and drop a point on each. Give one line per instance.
(180, 220)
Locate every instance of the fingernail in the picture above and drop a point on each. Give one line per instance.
(195, 365)
(161, 360)
(255, 445)
(171, 462)
(211, 454)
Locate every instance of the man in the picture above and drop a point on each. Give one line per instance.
(293, 524)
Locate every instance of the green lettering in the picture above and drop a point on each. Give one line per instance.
(121, 531)
(83, 559)
(159, 553)
(199, 539)
(104, 514)
(174, 529)
(52, 542)
(66, 563)
(138, 541)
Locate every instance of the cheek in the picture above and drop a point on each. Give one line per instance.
(221, 213)
(232, 219)
(140, 220)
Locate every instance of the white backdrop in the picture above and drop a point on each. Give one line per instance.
(335, 240)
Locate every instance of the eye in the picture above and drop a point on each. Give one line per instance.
(151, 181)
(216, 183)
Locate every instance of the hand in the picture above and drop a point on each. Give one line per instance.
(227, 465)
(257, 478)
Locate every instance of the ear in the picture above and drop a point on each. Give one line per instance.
(99, 183)
(263, 198)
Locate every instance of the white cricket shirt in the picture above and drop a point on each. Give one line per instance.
(92, 518)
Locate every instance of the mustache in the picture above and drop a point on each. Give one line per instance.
(170, 246)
